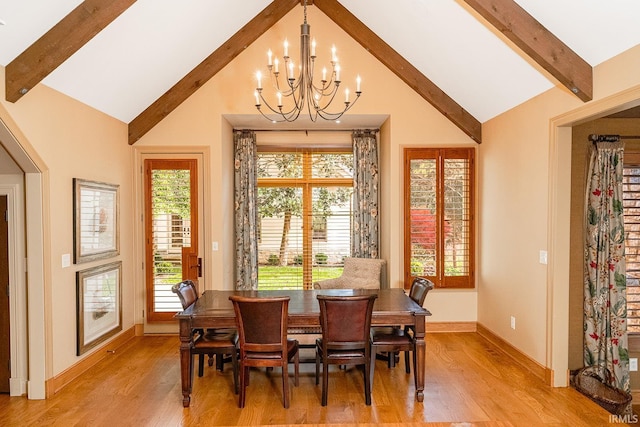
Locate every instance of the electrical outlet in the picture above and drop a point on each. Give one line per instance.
(633, 364)
(513, 322)
(543, 257)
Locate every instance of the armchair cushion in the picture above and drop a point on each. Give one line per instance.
(358, 273)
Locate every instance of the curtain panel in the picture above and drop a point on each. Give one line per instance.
(605, 305)
(245, 210)
(365, 238)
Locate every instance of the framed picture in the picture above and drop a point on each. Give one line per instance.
(96, 220)
(99, 306)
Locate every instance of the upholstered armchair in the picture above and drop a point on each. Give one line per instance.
(358, 273)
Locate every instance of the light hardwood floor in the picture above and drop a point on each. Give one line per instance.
(469, 382)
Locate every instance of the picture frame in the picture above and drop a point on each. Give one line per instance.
(99, 304)
(96, 218)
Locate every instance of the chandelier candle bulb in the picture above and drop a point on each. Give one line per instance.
(337, 74)
(257, 98)
(358, 84)
(313, 48)
(259, 77)
(279, 100)
(276, 66)
(324, 74)
(291, 75)
(333, 54)
(346, 96)
(286, 48)
(269, 55)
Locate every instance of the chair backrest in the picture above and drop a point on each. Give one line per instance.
(363, 269)
(419, 289)
(262, 323)
(187, 292)
(358, 273)
(346, 320)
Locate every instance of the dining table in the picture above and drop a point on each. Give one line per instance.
(213, 309)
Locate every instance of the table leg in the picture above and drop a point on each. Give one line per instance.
(186, 361)
(419, 369)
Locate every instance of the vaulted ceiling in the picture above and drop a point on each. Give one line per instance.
(471, 59)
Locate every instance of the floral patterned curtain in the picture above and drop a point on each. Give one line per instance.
(605, 305)
(246, 211)
(365, 231)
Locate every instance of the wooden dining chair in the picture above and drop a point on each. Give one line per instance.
(346, 324)
(394, 340)
(262, 328)
(219, 342)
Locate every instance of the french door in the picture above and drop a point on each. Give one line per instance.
(171, 232)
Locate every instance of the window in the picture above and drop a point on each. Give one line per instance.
(304, 214)
(439, 216)
(631, 208)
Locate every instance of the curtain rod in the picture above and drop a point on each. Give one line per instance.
(611, 138)
(308, 130)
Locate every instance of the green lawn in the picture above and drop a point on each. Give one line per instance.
(290, 277)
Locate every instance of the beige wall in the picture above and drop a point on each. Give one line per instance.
(513, 222)
(73, 141)
(522, 164)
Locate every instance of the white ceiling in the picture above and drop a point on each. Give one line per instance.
(154, 43)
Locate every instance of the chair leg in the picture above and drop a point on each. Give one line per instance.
(372, 365)
(234, 364)
(406, 362)
(325, 381)
(317, 367)
(367, 383)
(296, 369)
(244, 375)
(201, 365)
(285, 385)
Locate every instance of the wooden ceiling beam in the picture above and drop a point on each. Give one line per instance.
(539, 43)
(59, 43)
(208, 68)
(401, 67)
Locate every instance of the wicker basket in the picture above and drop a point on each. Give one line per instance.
(588, 382)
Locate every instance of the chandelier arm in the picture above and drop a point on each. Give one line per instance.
(285, 116)
(277, 110)
(330, 97)
(334, 116)
(293, 112)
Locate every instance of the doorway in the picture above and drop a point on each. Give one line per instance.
(561, 295)
(171, 232)
(22, 182)
(5, 325)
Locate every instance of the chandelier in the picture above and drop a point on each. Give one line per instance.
(293, 92)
